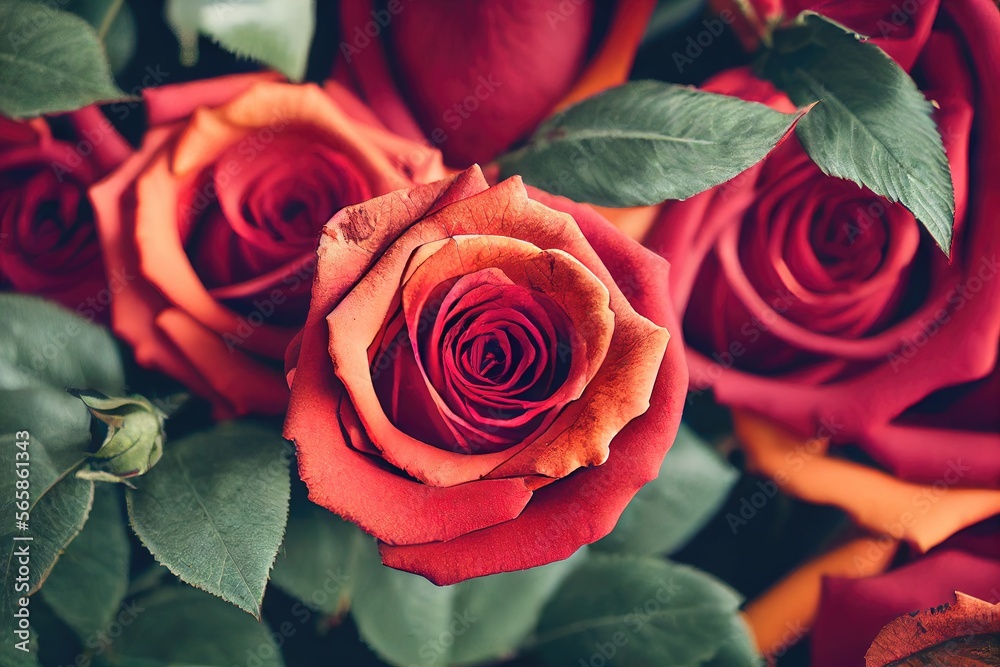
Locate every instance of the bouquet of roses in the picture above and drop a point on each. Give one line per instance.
(553, 332)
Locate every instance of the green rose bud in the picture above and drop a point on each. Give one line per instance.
(134, 442)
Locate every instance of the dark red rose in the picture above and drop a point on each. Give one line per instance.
(48, 242)
(473, 77)
(481, 382)
(853, 611)
(817, 303)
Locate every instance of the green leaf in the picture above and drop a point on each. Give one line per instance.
(872, 126)
(98, 13)
(318, 561)
(669, 17)
(693, 483)
(43, 342)
(184, 18)
(214, 509)
(50, 61)
(120, 40)
(396, 612)
(10, 655)
(45, 350)
(408, 620)
(326, 563)
(182, 627)
(634, 611)
(647, 141)
(740, 650)
(57, 508)
(506, 608)
(115, 26)
(277, 33)
(88, 584)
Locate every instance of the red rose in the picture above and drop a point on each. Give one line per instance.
(48, 242)
(472, 384)
(853, 611)
(823, 306)
(477, 76)
(217, 216)
(899, 27)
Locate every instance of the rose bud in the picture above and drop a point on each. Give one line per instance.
(134, 440)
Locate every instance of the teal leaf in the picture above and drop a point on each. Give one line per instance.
(277, 33)
(318, 562)
(88, 583)
(645, 142)
(183, 627)
(634, 611)
(114, 23)
(120, 40)
(53, 506)
(872, 125)
(740, 650)
(50, 61)
(41, 341)
(693, 483)
(57, 508)
(45, 350)
(98, 13)
(213, 511)
(10, 653)
(408, 620)
(506, 607)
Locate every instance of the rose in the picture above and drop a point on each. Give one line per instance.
(853, 611)
(217, 218)
(48, 243)
(469, 352)
(822, 305)
(928, 524)
(475, 77)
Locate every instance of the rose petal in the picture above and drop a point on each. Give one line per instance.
(136, 303)
(486, 74)
(173, 103)
(782, 615)
(250, 386)
(925, 515)
(612, 64)
(870, 603)
(551, 273)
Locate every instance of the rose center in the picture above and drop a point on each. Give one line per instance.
(46, 221)
(851, 242)
(493, 361)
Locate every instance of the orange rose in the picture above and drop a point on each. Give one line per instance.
(484, 380)
(217, 217)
